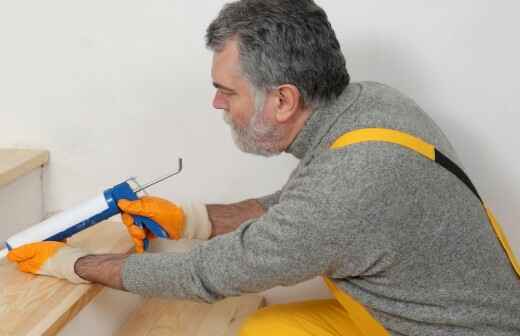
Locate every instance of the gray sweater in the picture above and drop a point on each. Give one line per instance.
(398, 232)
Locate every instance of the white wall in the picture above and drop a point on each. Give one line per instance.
(122, 88)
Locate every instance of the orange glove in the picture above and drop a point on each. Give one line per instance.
(48, 258)
(165, 213)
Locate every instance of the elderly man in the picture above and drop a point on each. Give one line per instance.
(377, 205)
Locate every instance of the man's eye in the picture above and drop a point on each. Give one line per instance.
(226, 93)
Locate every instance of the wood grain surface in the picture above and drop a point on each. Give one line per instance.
(18, 162)
(41, 305)
(162, 317)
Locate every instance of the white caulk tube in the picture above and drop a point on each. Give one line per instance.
(57, 224)
(65, 224)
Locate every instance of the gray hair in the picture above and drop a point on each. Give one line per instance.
(284, 42)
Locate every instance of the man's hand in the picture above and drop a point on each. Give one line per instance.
(48, 258)
(165, 213)
(189, 221)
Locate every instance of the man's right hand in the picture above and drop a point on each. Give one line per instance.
(188, 221)
(168, 215)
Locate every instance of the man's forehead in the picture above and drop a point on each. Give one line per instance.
(226, 63)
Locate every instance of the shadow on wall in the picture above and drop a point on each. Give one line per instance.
(393, 61)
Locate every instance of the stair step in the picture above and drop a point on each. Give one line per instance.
(40, 305)
(15, 163)
(182, 317)
(187, 318)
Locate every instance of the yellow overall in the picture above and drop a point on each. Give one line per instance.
(345, 316)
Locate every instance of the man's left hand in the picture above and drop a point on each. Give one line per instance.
(48, 258)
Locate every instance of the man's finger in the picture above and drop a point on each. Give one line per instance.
(137, 232)
(133, 207)
(138, 242)
(139, 245)
(29, 266)
(20, 254)
(31, 256)
(128, 220)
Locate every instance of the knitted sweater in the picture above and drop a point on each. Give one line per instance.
(395, 230)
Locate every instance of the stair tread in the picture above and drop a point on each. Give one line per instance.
(181, 317)
(40, 305)
(159, 316)
(15, 163)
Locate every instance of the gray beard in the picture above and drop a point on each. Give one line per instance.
(259, 137)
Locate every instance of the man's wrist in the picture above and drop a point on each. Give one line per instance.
(105, 269)
(227, 218)
(198, 225)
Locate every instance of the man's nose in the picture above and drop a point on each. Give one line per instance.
(219, 102)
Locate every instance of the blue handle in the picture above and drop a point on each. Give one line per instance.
(124, 191)
(156, 229)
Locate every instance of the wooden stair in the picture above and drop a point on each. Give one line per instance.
(161, 317)
(15, 163)
(40, 305)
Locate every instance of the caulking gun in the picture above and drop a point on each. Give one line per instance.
(69, 222)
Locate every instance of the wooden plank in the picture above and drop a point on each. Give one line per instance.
(40, 305)
(161, 317)
(18, 162)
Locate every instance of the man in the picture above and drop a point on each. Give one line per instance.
(405, 245)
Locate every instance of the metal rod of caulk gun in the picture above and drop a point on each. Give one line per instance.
(160, 179)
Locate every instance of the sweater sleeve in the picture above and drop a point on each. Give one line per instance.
(309, 232)
(269, 200)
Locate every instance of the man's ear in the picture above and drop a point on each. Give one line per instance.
(289, 102)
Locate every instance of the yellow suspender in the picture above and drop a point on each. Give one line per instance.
(361, 317)
(364, 321)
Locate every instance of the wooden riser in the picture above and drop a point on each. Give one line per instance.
(21, 189)
(21, 204)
